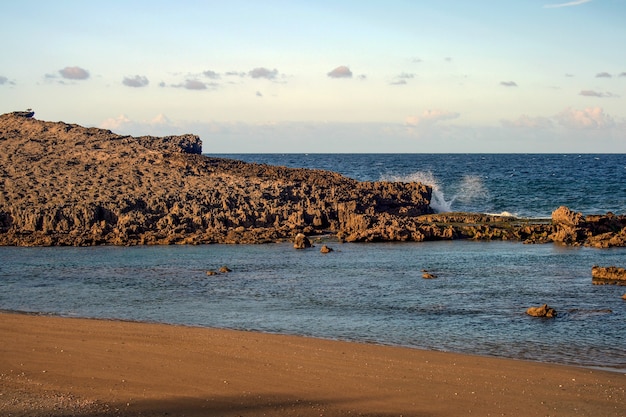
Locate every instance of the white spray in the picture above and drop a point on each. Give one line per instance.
(470, 190)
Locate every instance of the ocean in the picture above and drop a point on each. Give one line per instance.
(374, 292)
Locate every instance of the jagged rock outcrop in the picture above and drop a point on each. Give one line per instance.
(63, 184)
(608, 275)
(601, 231)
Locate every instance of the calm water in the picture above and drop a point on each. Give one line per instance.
(373, 292)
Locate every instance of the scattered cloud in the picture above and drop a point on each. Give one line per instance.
(402, 78)
(591, 93)
(114, 123)
(192, 85)
(74, 73)
(623, 74)
(448, 59)
(211, 74)
(528, 122)
(417, 60)
(589, 118)
(235, 74)
(340, 72)
(568, 4)
(259, 94)
(263, 72)
(569, 75)
(5, 80)
(430, 117)
(603, 75)
(160, 124)
(508, 83)
(136, 81)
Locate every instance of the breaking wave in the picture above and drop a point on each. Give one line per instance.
(470, 192)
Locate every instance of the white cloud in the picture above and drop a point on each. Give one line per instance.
(74, 73)
(114, 123)
(508, 83)
(430, 117)
(340, 72)
(3, 80)
(568, 4)
(136, 81)
(589, 118)
(603, 75)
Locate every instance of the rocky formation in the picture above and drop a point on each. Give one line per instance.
(573, 228)
(64, 184)
(543, 311)
(608, 275)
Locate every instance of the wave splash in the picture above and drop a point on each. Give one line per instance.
(471, 190)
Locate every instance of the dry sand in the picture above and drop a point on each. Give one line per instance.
(53, 366)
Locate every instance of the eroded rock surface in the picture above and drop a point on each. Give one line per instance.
(64, 184)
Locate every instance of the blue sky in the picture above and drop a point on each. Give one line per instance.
(327, 76)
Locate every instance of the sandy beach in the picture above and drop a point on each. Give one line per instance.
(52, 366)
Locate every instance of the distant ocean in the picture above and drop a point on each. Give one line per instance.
(374, 292)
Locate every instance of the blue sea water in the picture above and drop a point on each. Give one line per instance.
(373, 292)
(526, 185)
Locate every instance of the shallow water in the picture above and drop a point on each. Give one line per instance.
(363, 292)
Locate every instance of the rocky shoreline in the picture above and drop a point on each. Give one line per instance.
(64, 184)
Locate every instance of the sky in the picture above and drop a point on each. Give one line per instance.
(445, 76)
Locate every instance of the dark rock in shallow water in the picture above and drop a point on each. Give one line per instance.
(608, 275)
(301, 241)
(326, 249)
(543, 311)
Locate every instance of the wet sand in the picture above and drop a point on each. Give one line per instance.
(52, 366)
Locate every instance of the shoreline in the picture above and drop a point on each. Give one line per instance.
(618, 370)
(53, 366)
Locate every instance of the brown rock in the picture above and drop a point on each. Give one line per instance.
(63, 184)
(326, 249)
(543, 311)
(301, 241)
(224, 269)
(608, 275)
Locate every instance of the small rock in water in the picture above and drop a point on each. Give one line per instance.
(301, 241)
(210, 273)
(428, 275)
(543, 311)
(225, 269)
(326, 249)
